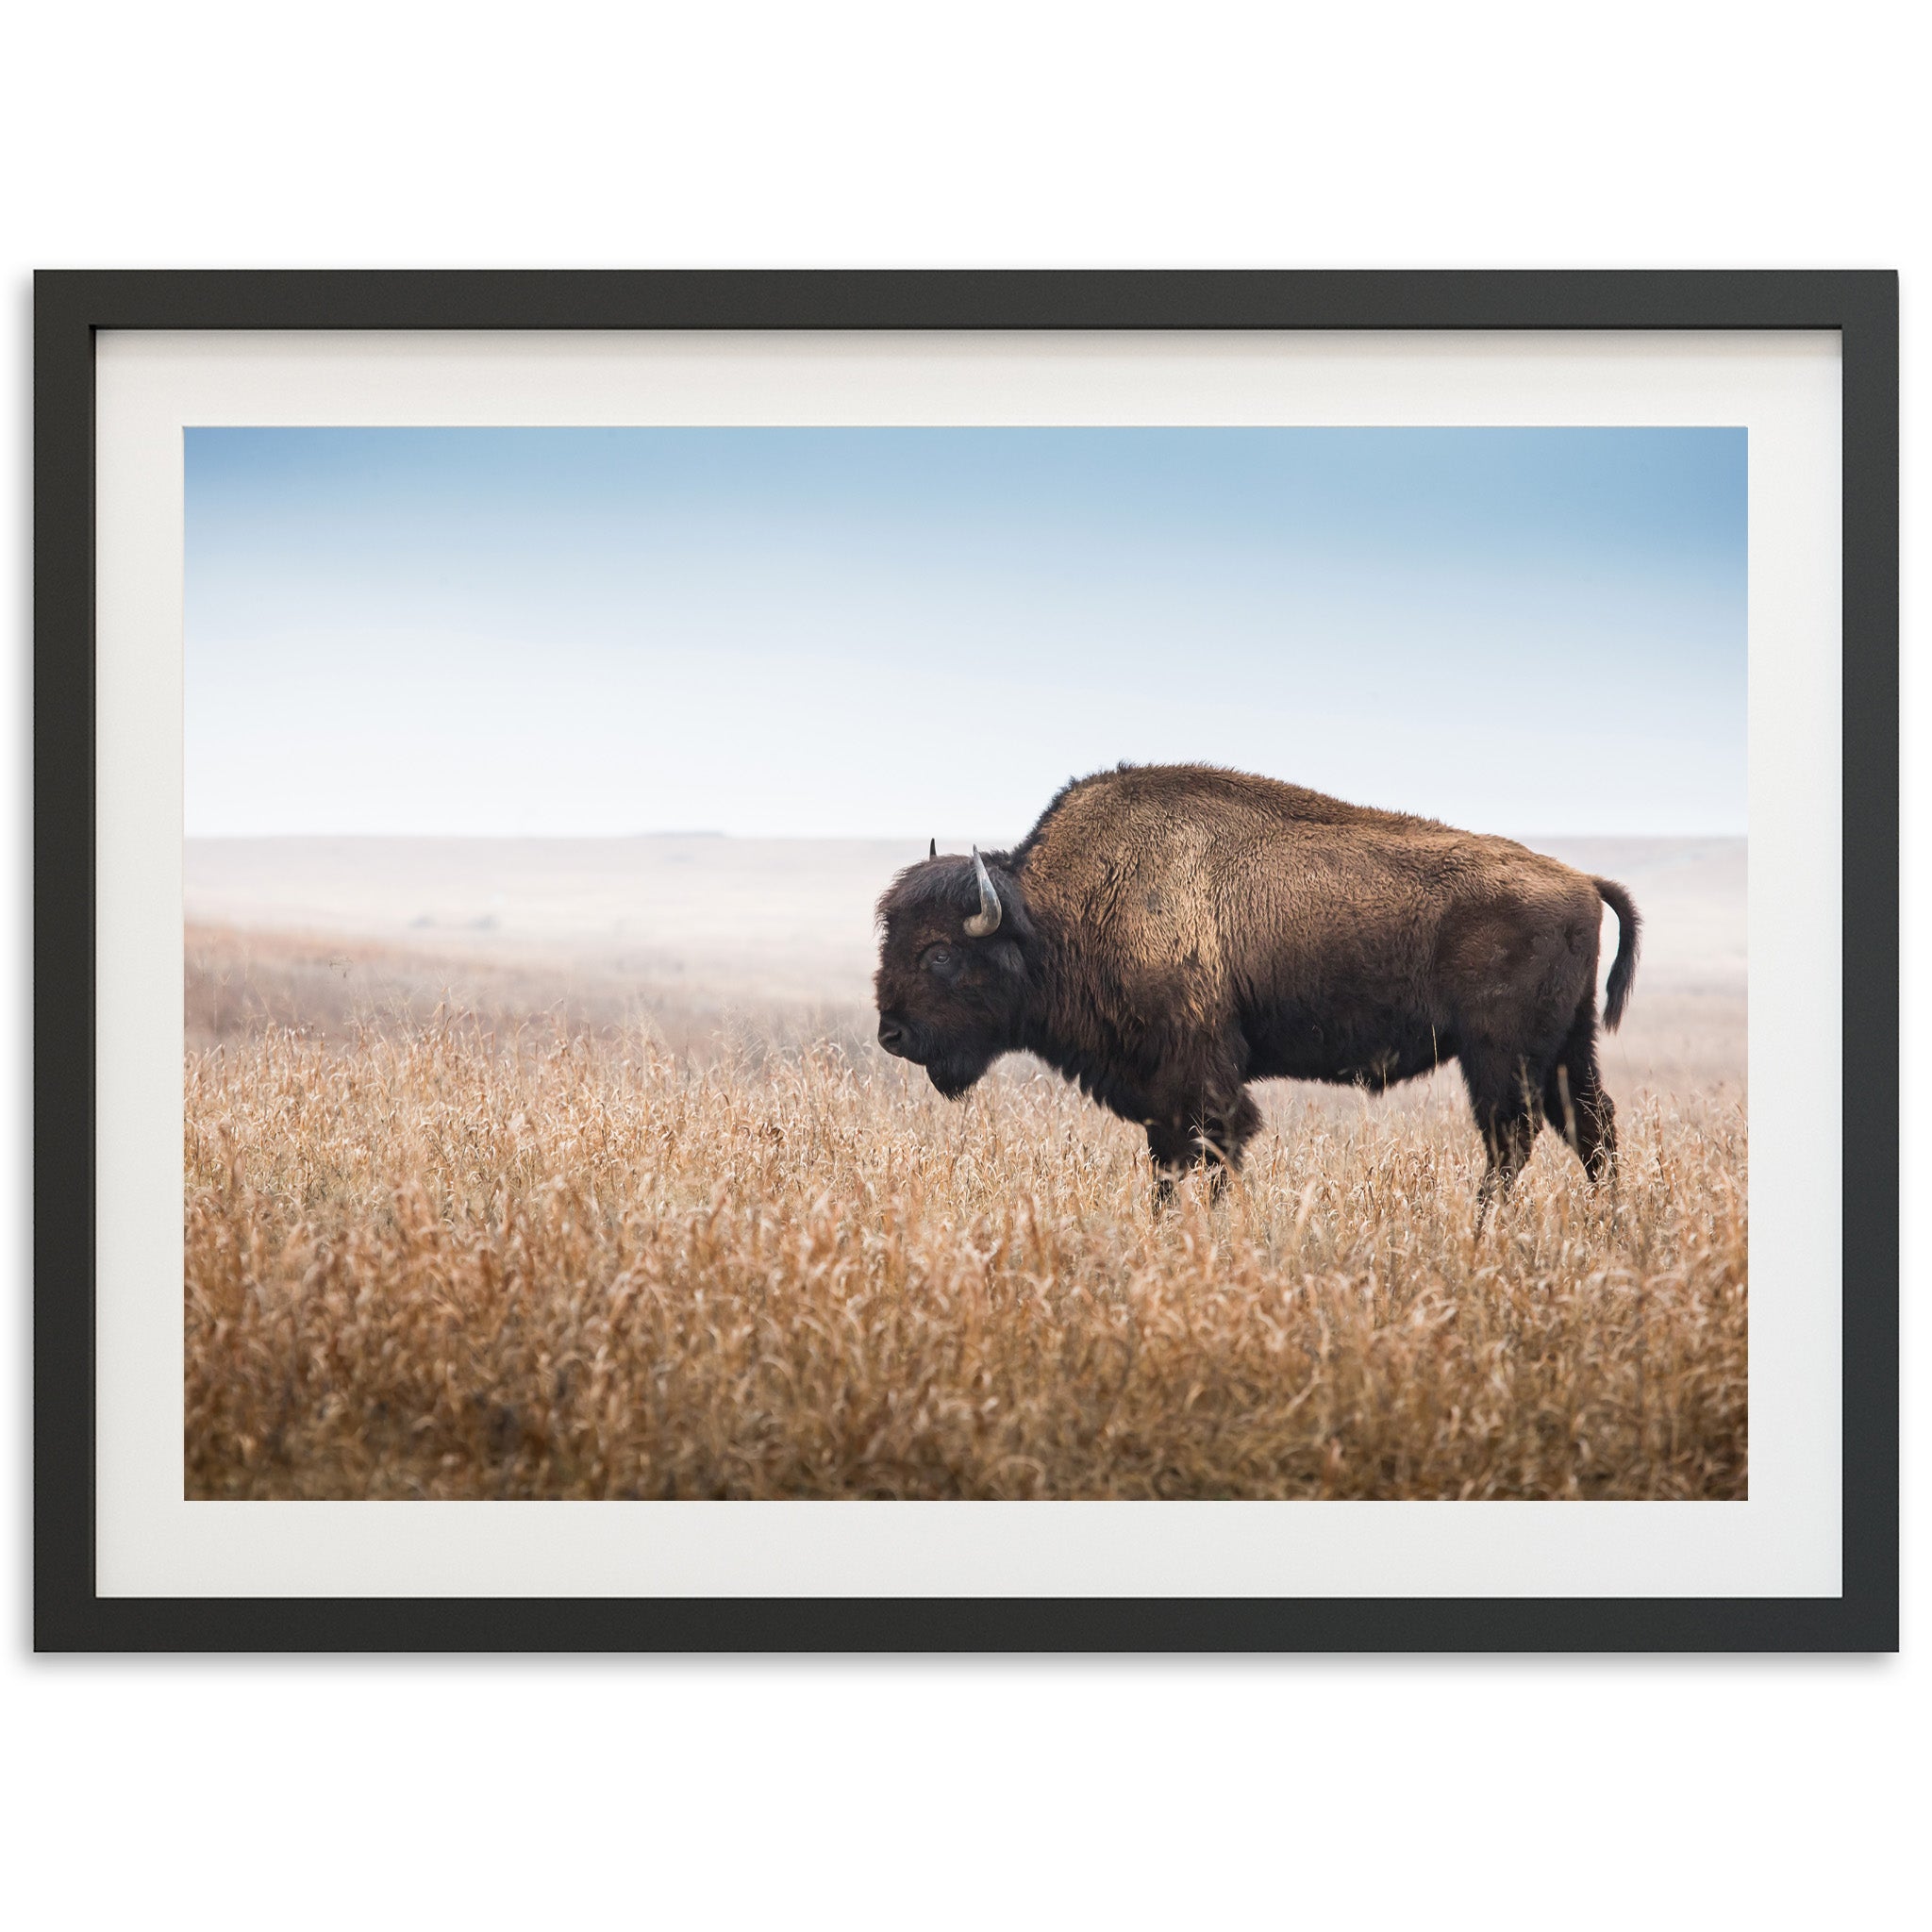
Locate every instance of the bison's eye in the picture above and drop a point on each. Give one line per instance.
(940, 959)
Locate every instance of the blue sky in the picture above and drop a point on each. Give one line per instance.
(886, 632)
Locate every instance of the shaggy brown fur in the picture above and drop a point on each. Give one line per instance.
(1168, 934)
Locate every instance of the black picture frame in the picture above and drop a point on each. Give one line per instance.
(72, 306)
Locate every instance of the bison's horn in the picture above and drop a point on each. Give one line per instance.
(932, 848)
(988, 918)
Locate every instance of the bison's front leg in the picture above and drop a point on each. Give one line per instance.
(1172, 1149)
(1213, 1137)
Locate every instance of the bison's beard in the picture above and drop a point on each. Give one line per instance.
(953, 1073)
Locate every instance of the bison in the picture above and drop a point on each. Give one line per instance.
(1167, 934)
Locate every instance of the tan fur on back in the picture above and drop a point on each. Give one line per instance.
(1196, 854)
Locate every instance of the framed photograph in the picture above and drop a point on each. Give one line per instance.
(966, 962)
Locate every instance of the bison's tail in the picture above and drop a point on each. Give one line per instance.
(1624, 968)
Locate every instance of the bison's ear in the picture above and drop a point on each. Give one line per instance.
(932, 848)
(1007, 957)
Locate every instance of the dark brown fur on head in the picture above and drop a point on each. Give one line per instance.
(949, 1002)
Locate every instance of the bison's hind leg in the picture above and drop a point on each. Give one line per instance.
(1505, 1096)
(1506, 1138)
(1576, 1105)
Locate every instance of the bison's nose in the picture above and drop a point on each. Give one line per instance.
(892, 1036)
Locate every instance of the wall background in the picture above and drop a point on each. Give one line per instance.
(1472, 1790)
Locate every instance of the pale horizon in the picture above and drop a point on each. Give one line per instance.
(790, 916)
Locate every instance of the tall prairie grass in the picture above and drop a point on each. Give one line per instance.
(441, 1257)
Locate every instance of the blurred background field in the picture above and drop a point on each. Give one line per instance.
(570, 1169)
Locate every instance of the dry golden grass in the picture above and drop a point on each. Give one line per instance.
(446, 1258)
